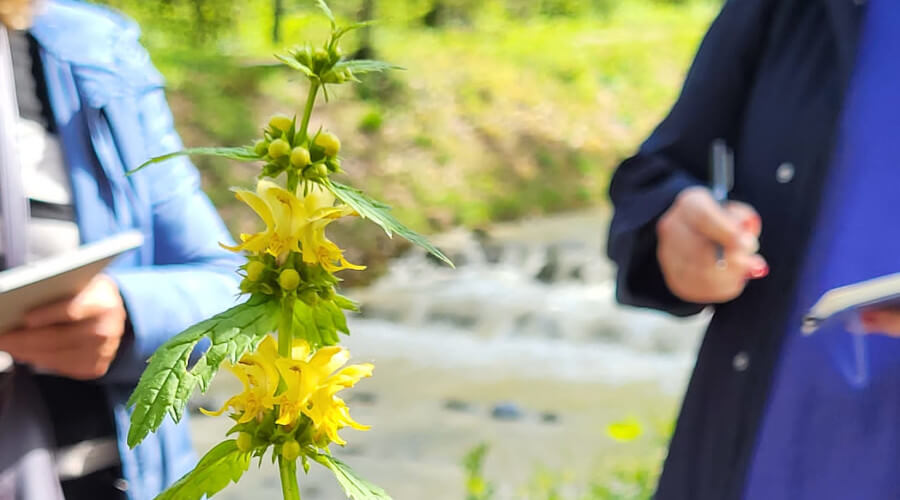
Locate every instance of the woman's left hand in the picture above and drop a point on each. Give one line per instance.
(884, 320)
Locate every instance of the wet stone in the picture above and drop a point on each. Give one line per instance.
(458, 405)
(507, 411)
(549, 417)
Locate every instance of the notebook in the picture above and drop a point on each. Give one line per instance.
(839, 302)
(48, 280)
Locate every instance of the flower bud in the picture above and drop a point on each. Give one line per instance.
(245, 442)
(303, 55)
(321, 58)
(280, 122)
(290, 450)
(279, 148)
(300, 157)
(321, 171)
(336, 54)
(261, 147)
(255, 270)
(309, 297)
(329, 143)
(289, 280)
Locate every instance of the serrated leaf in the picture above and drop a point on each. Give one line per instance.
(362, 66)
(324, 8)
(354, 486)
(325, 324)
(240, 153)
(379, 213)
(305, 325)
(295, 64)
(223, 464)
(167, 382)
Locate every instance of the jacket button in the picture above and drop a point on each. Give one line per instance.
(741, 361)
(120, 484)
(784, 173)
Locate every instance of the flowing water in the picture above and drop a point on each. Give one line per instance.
(521, 346)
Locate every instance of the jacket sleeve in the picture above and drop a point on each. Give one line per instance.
(675, 156)
(192, 277)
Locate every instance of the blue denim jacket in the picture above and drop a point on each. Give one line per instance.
(111, 115)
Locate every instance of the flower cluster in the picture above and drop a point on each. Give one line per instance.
(300, 393)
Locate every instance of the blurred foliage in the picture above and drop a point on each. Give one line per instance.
(509, 108)
(631, 474)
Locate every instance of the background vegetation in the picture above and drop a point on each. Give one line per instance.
(509, 108)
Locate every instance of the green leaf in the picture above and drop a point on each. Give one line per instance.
(305, 325)
(240, 153)
(355, 26)
(354, 486)
(324, 8)
(337, 317)
(379, 213)
(325, 324)
(345, 303)
(223, 464)
(167, 382)
(295, 64)
(362, 66)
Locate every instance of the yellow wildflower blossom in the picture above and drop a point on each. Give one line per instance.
(625, 431)
(316, 248)
(293, 223)
(283, 214)
(259, 375)
(312, 381)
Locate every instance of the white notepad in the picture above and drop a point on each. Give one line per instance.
(48, 280)
(837, 302)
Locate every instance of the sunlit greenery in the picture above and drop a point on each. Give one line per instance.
(510, 108)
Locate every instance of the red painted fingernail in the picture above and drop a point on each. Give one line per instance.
(759, 272)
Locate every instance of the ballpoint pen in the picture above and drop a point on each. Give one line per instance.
(722, 180)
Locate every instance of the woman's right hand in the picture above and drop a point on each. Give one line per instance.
(688, 234)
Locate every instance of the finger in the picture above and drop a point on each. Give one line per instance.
(748, 219)
(709, 219)
(881, 320)
(71, 363)
(77, 308)
(31, 341)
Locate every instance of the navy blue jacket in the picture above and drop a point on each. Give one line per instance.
(111, 115)
(769, 78)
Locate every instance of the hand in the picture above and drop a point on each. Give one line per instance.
(688, 234)
(76, 338)
(884, 320)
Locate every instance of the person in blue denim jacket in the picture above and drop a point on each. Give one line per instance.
(90, 107)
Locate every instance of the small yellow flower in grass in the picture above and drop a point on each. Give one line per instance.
(313, 381)
(625, 431)
(259, 375)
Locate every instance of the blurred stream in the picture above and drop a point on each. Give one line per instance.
(522, 346)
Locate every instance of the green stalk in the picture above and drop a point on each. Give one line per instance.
(288, 471)
(310, 102)
(285, 333)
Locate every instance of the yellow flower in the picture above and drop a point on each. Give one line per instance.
(283, 214)
(312, 381)
(259, 375)
(317, 249)
(625, 431)
(295, 224)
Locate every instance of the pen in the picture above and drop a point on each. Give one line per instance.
(722, 180)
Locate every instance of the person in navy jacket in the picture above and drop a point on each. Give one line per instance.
(806, 94)
(90, 97)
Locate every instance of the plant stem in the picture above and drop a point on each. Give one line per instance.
(310, 102)
(285, 333)
(288, 471)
